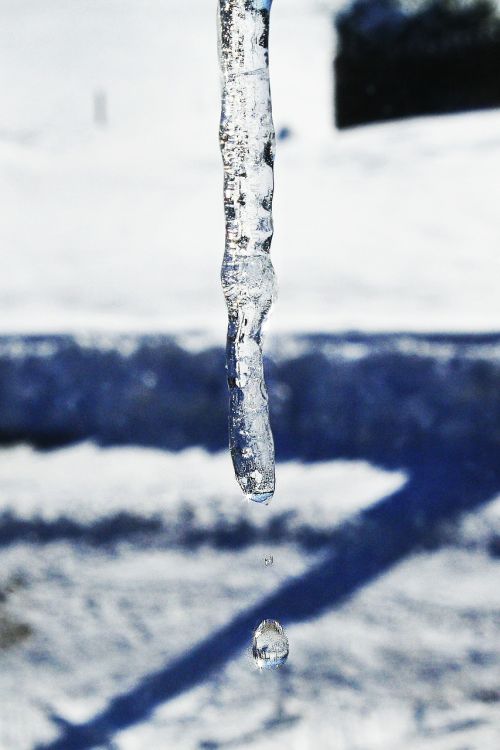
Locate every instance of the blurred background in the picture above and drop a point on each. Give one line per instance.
(131, 572)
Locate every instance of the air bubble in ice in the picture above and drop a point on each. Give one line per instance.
(270, 645)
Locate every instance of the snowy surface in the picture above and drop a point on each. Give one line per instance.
(391, 227)
(115, 561)
(156, 483)
(410, 661)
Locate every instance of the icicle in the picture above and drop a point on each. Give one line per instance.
(247, 144)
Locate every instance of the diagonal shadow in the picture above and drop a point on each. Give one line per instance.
(440, 488)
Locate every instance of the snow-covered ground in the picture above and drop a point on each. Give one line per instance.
(38, 485)
(392, 227)
(115, 562)
(410, 661)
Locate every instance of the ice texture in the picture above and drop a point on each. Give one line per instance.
(247, 143)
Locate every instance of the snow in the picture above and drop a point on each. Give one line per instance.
(409, 661)
(36, 485)
(124, 558)
(102, 618)
(121, 228)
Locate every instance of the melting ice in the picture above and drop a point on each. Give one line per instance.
(247, 143)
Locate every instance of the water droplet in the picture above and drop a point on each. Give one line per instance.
(270, 645)
(260, 497)
(268, 560)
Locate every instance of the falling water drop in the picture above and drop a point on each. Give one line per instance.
(270, 645)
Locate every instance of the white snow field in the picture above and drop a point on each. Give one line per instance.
(409, 661)
(388, 227)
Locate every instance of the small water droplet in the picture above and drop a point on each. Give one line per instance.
(260, 497)
(270, 645)
(268, 560)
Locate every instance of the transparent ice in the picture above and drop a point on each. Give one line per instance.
(247, 143)
(270, 645)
